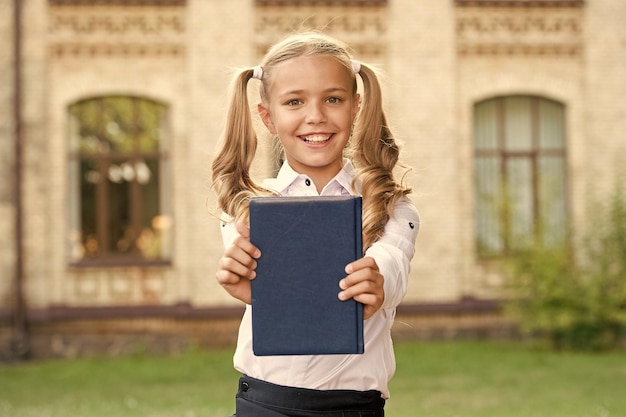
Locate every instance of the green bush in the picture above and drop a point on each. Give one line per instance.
(576, 298)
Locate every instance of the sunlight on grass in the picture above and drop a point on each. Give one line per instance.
(498, 379)
(468, 379)
(191, 385)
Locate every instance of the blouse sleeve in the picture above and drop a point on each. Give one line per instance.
(395, 249)
(228, 229)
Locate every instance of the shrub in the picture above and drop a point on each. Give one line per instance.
(577, 299)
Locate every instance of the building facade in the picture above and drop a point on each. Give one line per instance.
(510, 113)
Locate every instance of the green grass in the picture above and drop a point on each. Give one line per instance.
(433, 379)
(506, 380)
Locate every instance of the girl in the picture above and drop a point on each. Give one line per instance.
(333, 143)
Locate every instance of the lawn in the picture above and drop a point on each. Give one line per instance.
(468, 379)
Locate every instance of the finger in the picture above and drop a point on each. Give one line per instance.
(225, 277)
(243, 252)
(366, 274)
(243, 240)
(247, 247)
(362, 287)
(232, 266)
(371, 303)
(243, 229)
(368, 299)
(366, 262)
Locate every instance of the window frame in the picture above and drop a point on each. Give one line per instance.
(103, 162)
(504, 156)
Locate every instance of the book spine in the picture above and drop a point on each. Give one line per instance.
(358, 227)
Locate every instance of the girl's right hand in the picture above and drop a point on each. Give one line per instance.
(236, 267)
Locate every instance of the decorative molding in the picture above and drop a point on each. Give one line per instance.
(499, 49)
(373, 22)
(92, 50)
(323, 3)
(116, 21)
(116, 31)
(521, 3)
(363, 29)
(117, 2)
(358, 49)
(529, 32)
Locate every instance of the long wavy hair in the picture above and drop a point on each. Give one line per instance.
(372, 148)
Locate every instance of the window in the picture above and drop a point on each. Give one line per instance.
(519, 173)
(118, 172)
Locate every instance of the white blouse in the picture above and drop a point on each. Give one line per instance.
(392, 252)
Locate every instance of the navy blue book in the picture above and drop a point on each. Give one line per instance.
(305, 244)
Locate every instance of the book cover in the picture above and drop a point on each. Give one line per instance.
(305, 244)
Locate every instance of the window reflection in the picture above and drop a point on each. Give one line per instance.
(519, 174)
(117, 175)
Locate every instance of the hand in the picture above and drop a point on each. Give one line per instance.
(364, 283)
(236, 267)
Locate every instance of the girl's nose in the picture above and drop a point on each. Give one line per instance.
(315, 113)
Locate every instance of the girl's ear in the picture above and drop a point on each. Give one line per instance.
(264, 112)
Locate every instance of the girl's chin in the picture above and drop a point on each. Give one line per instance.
(308, 163)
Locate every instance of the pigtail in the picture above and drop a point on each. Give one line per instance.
(231, 166)
(375, 154)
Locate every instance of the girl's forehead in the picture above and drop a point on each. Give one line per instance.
(310, 71)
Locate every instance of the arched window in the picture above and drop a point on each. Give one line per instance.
(118, 181)
(519, 174)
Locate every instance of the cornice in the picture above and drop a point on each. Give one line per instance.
(521, 3)
(117, 2)
(323, 3)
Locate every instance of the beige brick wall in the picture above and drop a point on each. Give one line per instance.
(557, 75)
(7, 152)
(223, 40)
(436, 63)
(421, 97)
(39, 215)
(604, 92)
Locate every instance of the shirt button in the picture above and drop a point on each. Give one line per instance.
(307, 182)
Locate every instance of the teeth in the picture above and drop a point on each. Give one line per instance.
(316, 138)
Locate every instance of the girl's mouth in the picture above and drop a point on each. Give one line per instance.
(317, 138)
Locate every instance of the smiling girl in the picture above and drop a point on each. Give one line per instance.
(334, 142)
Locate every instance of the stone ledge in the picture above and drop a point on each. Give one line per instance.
(63, 331)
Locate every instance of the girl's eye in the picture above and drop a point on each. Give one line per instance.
(293, 102)
(334, 100)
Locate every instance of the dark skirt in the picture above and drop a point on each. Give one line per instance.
(256, 398)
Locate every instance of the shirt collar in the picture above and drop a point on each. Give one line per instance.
(287, 176)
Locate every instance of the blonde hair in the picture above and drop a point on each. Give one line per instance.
(372, 148)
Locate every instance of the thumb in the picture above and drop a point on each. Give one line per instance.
(243, 229)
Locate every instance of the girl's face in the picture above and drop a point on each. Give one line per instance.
(311, 108)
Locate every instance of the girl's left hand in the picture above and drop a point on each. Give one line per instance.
(364, 283)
